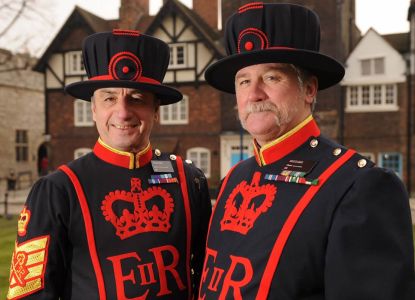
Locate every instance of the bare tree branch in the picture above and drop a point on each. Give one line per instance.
(15, 18)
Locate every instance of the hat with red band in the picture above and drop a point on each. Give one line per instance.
(273, 33)
(125, 58)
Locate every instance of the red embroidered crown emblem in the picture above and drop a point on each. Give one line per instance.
(255, 201)
(131, 214)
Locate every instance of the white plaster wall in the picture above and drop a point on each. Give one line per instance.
(373, 45)
(56, 64)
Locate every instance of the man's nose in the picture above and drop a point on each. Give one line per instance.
(123, 108)
(256, 92)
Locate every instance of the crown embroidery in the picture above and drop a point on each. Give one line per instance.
(139, 210)
(23, 221)
(255, 200)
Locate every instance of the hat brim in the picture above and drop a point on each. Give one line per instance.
(221, 74)
(85, 89)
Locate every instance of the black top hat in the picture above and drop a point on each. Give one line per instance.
(266, 33)
(125, 58)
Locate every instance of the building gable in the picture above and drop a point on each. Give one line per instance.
(373, 46)
(62, 60)
(192, 42)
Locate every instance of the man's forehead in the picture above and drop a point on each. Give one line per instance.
(115, 90)
(263, 68)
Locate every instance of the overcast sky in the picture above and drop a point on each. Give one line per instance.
(43, 19)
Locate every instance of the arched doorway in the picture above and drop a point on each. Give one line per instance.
(42, 160)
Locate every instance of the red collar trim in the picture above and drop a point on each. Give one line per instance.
(121, 158)
(286, 144)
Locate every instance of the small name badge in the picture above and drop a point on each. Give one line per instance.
(298, 167)
(162, 166)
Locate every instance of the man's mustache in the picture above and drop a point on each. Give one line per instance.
(260, 107)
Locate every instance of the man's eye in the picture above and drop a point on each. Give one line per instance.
(243, 82)
(109, 99)
(270, 78)
(137, 98)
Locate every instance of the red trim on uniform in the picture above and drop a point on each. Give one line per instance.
(257, 155)
(141, 79)
(291, 221)
(88, 229)
(253, 5)
(111, 157)
(144, 158)
(125, 32)
(291, 143)
(122, 159)
(183, 186)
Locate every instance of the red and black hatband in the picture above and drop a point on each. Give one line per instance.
(125, 58)
(273, 33)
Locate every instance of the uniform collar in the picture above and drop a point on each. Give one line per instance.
(286, 143)
(121, 158)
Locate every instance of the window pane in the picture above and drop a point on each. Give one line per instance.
(193, 156)
(79, 112)
(379, 65)
(171, 62)
(183, 109)
(74, 62)
(180, 55)
(88, 113)
(390, 94)
(81, 66)
(174, 112)
(377, 94)
(392, 161)
(365, 64)
(365, 95)
(354, 95)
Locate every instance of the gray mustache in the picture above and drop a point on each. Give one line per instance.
(260, 107)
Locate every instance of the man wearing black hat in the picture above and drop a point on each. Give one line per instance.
(123, 222)
(305, 218)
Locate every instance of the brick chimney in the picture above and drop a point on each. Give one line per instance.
(208, 10)
(131, 11)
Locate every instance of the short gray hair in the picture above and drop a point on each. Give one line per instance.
(302, 77)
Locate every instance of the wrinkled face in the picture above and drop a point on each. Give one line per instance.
(271, 100)
(124, 117)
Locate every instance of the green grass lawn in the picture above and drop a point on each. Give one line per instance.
(7, 237)
(8, 230)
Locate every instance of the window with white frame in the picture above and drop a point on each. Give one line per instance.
(392, 161)
(178, 55)
(22, 145)
(177, 113)
(374, 97)
(81, 152)
(201, 158)
(73, 63)
(372, 66)
(82, 113)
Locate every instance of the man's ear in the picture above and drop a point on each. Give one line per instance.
(310, 89)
